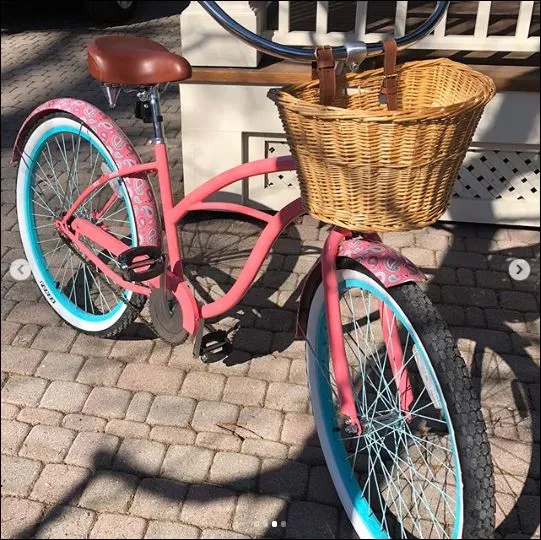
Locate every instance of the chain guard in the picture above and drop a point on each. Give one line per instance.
(166, 315)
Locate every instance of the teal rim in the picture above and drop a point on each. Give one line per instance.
(377, 526)
(48, 279)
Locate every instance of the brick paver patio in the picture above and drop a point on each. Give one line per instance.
(134, 438)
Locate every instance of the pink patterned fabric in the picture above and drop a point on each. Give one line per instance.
(123, 152)
(384, 262)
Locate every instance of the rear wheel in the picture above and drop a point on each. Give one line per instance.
(424, 473)
(62, 156)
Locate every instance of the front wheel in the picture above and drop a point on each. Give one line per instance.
(423, 471)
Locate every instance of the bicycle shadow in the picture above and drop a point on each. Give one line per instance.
(498, 345)
(276, 483)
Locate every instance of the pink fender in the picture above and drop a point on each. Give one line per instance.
(387, 264)
(119, 146)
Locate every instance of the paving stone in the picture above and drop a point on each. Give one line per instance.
(84, 422)
(30, 312)
(131, 351)
(128, 429)
(237, 364)
(60, 366)
(18, 475)
(270, 368)
(66, 522)
(255, 513)
(182, 358)
(528, 514)
(424, 258)
(92, 450)
(512, 457)
(201, 385)
(109, 492)
(47, 443)
(118, 526)
(59, 483)
(465, 277)
(161, 353)
(284, 344)
(9, 330)
(493, 279)
(244, 391)
(321, 488)
(276, 320)
(157, 498)
(208, 506)
(19, 360)
(287, 397)
(297, 372)
(299, 429)
(139, 457)
(209, 415)
(9, 411)
(264, 449)
(107, 402)
(452, 314)
(252, 340)
(99, 347)
(284, 478)
(171, 411)
(19, 515)
(260, 423)
(311, 520)
(216, 534)
(169, 529)
(23, 391)
(150, 378)
(68, 397)
(187, 463)
(518, 300)
(469, 296)
(139, 406)
(505, 393)
(13, 435)
(475, 316)
(54, 339)
(235, 471)
(219, 441)
(172, 435)
(100, 372)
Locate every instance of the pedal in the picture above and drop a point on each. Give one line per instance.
(215, 347)
(150, 263)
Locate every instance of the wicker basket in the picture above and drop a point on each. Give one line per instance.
(364, 167)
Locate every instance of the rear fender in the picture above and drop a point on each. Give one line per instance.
(385, 263)
(118, 145)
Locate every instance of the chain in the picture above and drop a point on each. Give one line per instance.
(134, 308)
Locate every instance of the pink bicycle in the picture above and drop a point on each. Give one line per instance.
(399, 424)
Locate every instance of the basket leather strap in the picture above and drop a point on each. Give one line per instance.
(389, 87)
(326, 74)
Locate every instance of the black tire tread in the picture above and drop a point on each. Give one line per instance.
(464, 408)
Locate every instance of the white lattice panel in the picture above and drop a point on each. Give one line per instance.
(496, 174)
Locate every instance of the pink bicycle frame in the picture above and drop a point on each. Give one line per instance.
(74, 228)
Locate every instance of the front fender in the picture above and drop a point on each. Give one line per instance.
(385, 263)
(118, 145)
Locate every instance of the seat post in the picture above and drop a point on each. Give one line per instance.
(152, 95)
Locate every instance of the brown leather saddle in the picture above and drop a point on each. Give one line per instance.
(135, 61)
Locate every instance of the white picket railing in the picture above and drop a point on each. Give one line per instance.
(439, 39)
